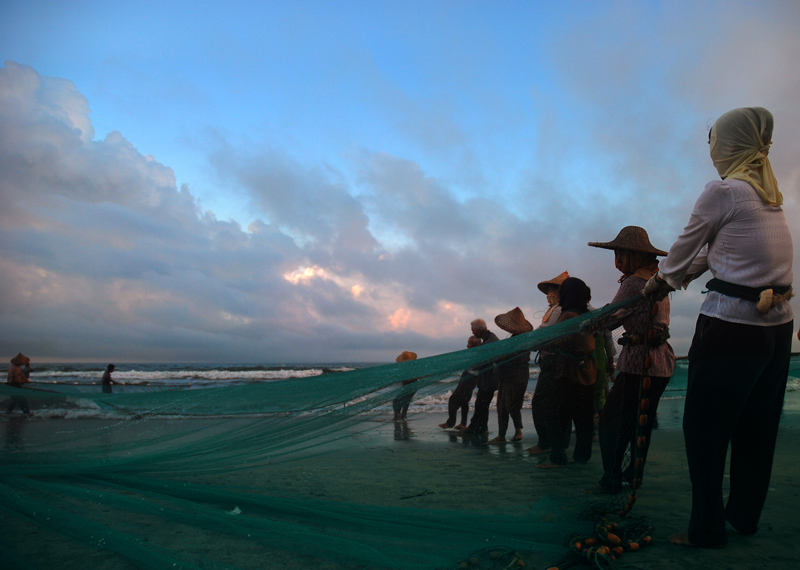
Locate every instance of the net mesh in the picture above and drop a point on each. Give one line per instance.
(284, 474)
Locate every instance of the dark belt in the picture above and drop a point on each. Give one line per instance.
(742, 291)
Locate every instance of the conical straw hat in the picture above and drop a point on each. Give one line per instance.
(513, 322)
(632, 238)
(557, 281)
(406, 356)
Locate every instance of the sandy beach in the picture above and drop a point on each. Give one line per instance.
(420, 470)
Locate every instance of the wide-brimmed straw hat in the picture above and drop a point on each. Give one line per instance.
(20, 359)
(513, 322)
(557, 281)
(406, 356)
(632, 238)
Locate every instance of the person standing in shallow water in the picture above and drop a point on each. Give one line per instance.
(635, 258)
(513, 373)
(741, 349)
(107, 380)
(401, 404)
(17, 378)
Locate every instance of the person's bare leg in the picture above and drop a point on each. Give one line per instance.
(517, 435)
(497, 440)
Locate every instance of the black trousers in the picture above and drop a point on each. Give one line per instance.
(510, 397)
(570, 403)
(545, 385)
(617, 429)
(459, 399)
(480, 415)
(737, 381)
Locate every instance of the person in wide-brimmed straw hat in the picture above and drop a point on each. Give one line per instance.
(17, 378)
(548, 379)
(635, 258)
(513, 322)
(401, 403)
(512, 375)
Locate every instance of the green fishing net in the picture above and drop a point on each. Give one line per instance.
(287, 474)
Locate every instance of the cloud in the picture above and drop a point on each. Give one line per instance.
(471, 186)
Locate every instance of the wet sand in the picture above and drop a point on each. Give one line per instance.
(417, 465)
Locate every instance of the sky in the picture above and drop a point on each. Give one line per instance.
(297, 182)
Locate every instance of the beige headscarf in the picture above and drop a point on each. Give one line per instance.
(740, 142)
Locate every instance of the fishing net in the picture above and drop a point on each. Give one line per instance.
(282, 474)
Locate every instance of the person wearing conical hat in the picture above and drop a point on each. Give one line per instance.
(17, 379)
(739, 358)
(512, 375)
(546, 381)
(636, 258)
(401, 404)
(576, 370)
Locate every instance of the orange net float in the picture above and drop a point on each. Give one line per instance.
(648, 362)
(636, 483)
(631, 500)
(641, 442)
(639, 463)
(643, 420)
(646, 383)
(645, 404)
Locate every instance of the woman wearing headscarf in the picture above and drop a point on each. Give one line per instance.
(572, 399)
(739, 358)
(513, 374)
(635, 258)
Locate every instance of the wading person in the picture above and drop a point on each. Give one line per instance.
(17, 378)
(739, 358)
(635, 258)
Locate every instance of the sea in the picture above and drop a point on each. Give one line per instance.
(85, 378)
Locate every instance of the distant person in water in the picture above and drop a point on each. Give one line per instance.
(487, 383)
(107, 380)
(513, 373)
(17, 378)
(459, 399)
(401, 403)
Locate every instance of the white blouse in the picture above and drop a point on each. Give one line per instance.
(742, 240)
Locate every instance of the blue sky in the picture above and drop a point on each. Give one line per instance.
(340, 181)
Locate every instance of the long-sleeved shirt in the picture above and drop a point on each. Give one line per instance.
(742, 240)
(635, 320)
